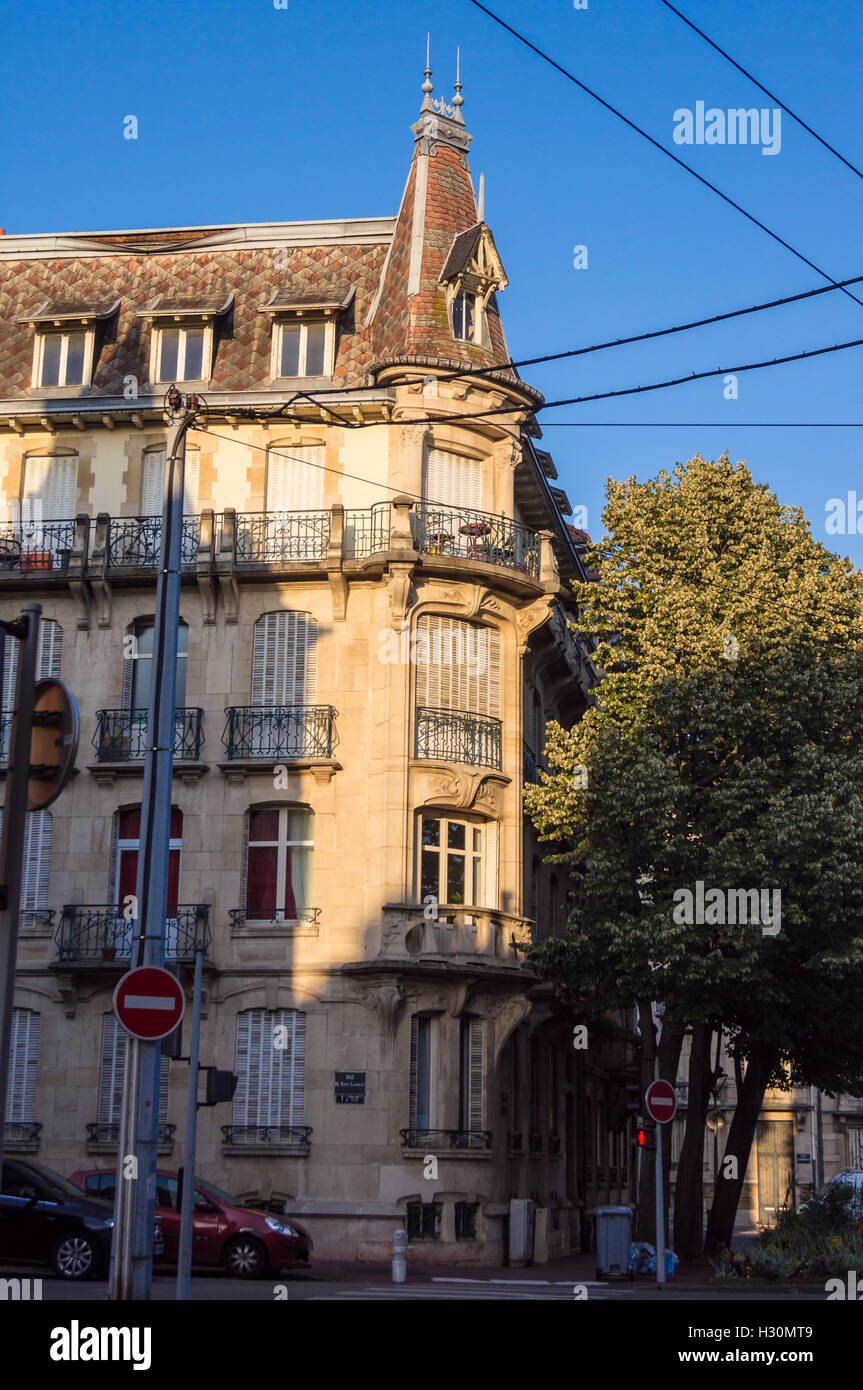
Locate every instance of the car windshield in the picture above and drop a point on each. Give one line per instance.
(46, 1177)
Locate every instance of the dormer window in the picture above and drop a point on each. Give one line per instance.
(463, 316)
(66, 344)
(304, 332)
(184, 338)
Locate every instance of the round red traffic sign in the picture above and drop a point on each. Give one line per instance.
(661, 1100)
(149, 1003)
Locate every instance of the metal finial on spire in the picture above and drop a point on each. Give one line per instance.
(458, 99)
(428, 85)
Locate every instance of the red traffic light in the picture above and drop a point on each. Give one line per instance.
(641, 1139)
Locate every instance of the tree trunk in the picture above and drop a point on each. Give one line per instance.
(689, 1192)
(729, 1184)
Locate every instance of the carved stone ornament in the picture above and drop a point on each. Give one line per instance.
(529, 619)
(462, 790)
(507, 1011)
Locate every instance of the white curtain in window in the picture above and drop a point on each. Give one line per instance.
(452, 480)
(23, 1062)
(153, 482)
(270, 1067)
(284, 659)
(458, 665)
(295, 479)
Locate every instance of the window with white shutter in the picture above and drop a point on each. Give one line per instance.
(452, 480)
(48, 661)
(50, 487)
(419, 1115)
(270, 1068)
(23, 1063)
(153, 482)
(458, 665)
(295, 478)
(284, 659)
(37, 862)
(471, 1072)
(112, 1071)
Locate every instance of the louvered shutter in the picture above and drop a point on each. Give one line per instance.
(476, 1072)
(295, 479)
(452, 480)
(112, 1072)
(270, 1079)
(23, 1064)
(37, 860)
(153, 482)
(414, 1072)
(458, 666)
(284, 659)
(48, 659)
(52, 483)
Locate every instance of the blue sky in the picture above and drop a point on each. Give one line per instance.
(251, 113)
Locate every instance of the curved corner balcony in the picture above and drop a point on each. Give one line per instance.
(121, 735)
(275, 733)
(473, 535)
(455, 736)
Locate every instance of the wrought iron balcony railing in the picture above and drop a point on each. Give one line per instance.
(266, 1134)
(121, 735)
(240, 917)
(36, 545)
(102, 932)
(472, 535)
(267, 538)
(515, 1141)
(110, 1133)
(275, 732)
(31, 918)
(455, 736)
(367, 531)
(443, 1138)
(22, 1131)
(135, 542)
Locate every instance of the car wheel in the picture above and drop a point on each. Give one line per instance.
(245, 1258)
(74, 1256)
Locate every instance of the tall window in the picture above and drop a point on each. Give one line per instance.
(112, 1071)
(39, 828)
(420, 1115)
(452, 866)
(124, 869)
(23, 1063)
(464, 316)
(48, 662)
(138, 671)
(49, 492)
(471, 1075)
(457, 665)
(295, 478)
(452, 480)
(278, 871)
(153, 482)
(284, 659)
(270, 1067)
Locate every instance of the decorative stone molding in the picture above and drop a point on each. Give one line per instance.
(399, 590)
(507, 1011)
(460, 790)
(528, 619)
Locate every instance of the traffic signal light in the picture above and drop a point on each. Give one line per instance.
(221, 1086)
(632, 1087)
(641, 1139)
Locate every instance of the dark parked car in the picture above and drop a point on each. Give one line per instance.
(45, 1220)
(246, 1242)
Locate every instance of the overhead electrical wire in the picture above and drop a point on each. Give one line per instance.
(750, 217)
(766, 90)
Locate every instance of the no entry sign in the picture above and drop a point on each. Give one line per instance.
(149, 1003)
(661, 1100)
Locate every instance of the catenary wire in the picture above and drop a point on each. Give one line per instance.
(766, 90)
(726, 198)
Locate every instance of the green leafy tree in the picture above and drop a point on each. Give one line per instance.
(723, 749)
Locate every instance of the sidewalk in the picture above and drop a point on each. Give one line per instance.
(572, 1269)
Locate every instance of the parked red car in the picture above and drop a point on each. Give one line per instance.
(245, 1242)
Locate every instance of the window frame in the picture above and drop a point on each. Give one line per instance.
(487, 856)
(282, 845)
(184, 326)
(280, 324)
(39, 344)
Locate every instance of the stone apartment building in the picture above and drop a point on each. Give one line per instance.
(376, 625)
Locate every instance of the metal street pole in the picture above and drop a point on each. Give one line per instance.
(132, 1262)
(14, 831)
(187, 1198)
(660, 1195)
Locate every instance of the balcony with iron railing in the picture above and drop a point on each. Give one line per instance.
(461, 1140)
(473, 535)
(456, 736)
(102, 932)
(298, 919)
(121, 735)
(279, 733)
(135, 542)
(289, 1139)
(272, 538)
(107, 1136)
(21, 1136)
(31, 546)
(367, 531)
